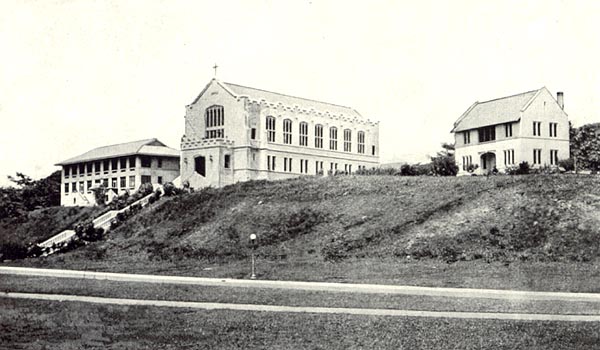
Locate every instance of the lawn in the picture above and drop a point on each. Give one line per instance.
(39, 325)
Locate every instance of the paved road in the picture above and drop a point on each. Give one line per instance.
(305, 309)
(313, 286)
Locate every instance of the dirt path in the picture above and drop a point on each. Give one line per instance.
(312, 286)
(304, 309)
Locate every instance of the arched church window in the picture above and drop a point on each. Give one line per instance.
(214, 121)
(303, 134)
(287, 131)
(270, 129)
(333, 138)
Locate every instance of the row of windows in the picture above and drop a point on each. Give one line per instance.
(108, 165)
(318, 140)
(509, 157)
(304, 165)
(488, 133)
(117, 183)
(214, 120)
(552, 129)
(537, 156)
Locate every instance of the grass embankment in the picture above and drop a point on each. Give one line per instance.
(521, 232)
(39, 324)
(269, 296)
(17, 233)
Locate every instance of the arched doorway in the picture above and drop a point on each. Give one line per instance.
(488, 162)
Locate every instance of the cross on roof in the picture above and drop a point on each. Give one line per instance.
(215, 68)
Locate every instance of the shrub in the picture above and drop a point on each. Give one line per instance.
(170, 189)
(567, 164)
(12, 250)
(523, 169)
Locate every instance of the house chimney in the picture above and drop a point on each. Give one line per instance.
(560, 99)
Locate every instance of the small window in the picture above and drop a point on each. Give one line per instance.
(122, 182)
(66, 188)
(200, 165)
(113, 182)
(227, 162)
(81, 188)
(146, 179)
(67, 170)
(131, 162)
(105, 165)
(373, 150)
(159, 162)
(553, 157)
(132, 181)
(74, 187)
(89, 186)
(105, 183)
(97, 167)
(271, 163)
(508, 130)
(361, 142)
(114, 163)
(537, 128)
(160, 180)
(253, 134)
(553, 129)
(467, 137)
(81, 169)
(74, 170)
(123, 163)
(537, 156)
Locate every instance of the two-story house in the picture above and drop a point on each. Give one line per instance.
(501, 133)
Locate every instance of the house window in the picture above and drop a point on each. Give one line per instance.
(146, 179)
(132, 181)
(159, 162)
(553, 128)
(287, 131)
(467, 137)
(105, 166)
(318, 167)
(537, 156)
(271, 129)
(66, 188)
(537, 128)
(487, 134)
(74, 170)
(89, 186)
(214, 119)
(373, 150)
(88, 168)
(67, 171)
(333, 138)
(287, 164)
(303, 134)
(105, 183)
(122, 182)
(97, 167)
(200, 165)
(81, 188)
(81, 169)
(132, 163)
(553, 157)
(361, 142)
(318, 136)
(146, 161)
(227, 162)
(74, 187)
(467, 161)
(509, 157)
(123, 164)
(113, 182)
(253, 134)
(347, 140)
(271, 163)
(508, 130)
(160, 180)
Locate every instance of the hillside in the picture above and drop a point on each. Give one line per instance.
(350, 224)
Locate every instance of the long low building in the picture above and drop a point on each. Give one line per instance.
(119, 168)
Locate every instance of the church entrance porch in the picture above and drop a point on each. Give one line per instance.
(488, 162)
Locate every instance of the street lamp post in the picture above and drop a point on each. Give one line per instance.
(254, 244)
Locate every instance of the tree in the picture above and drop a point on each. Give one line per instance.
(443, 163)
(29, 194)
(585, 146)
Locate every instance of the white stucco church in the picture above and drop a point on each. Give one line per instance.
(237, 133)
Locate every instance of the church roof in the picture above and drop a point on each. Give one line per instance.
(288, 100)
(149, 147)
(497, 111)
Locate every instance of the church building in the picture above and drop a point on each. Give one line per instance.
(237, 133)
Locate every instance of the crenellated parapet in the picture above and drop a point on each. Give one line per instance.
(188, 142)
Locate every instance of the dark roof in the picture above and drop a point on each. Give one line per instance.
(141, 147)
(497, 111)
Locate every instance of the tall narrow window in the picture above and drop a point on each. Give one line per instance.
(67, 171)
(67, 188)
(303, 134)
(105, 165)
(508, 130)
(553, 128)
(200, 165)
(227, 161)
(132, 181)
(253, 134)
(373, 150)
(131, 162)
(467, 137)
(214, 119)
(287, 131)
(81, 169)
(271, 163)
(318, 136)
(537, 156)
(553, 157)
(97, 168)
(347, 140)
(333, 138)
(114, 164)
(537, 128)
(361, 141)
(123, 164)
(271, 129)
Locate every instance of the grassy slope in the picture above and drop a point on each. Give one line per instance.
(373, 229)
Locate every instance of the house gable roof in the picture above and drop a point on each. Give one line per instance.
(240, 91)
(142, 147)
(497, 111)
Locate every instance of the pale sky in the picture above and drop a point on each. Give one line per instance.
(80, 74)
